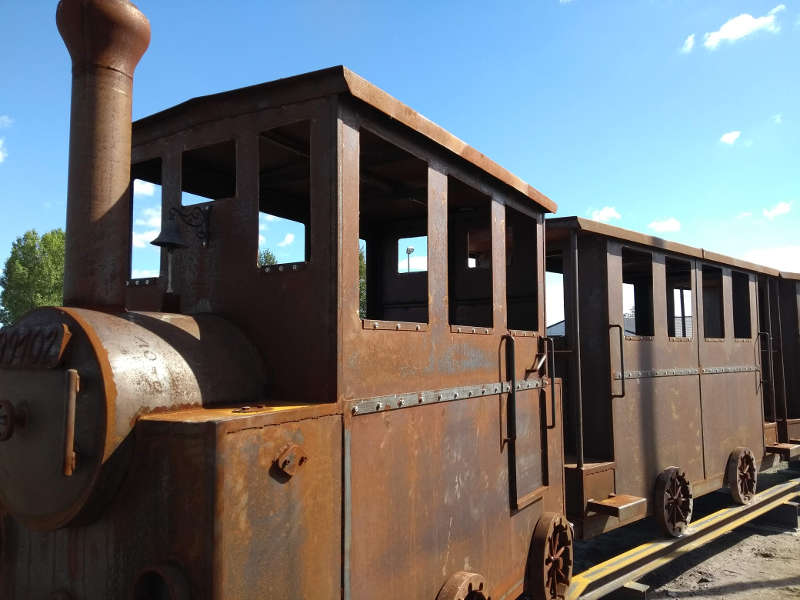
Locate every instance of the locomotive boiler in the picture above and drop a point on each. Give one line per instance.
(231, 429)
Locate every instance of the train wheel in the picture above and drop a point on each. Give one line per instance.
(742, 475)
(550, 570)
(673, 501)
(463, 586)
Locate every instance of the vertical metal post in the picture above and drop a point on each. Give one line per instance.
(683, 313)
(781, 346)
(576, 346)
(770, 366)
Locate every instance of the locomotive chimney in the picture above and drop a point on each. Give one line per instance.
(106, 39)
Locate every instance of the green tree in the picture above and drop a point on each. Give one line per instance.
(266, 258)
(33, 275)
(362, 284)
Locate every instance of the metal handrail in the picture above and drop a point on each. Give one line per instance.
(551, 368)
(621, 358)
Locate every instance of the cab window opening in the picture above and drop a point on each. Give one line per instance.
(208, 173)
(713, 312)
(393, 232)
(145, 219)
(284, 188)
(522, 289)
(555, 319)
(740, 287)
(469, 255)
(679, 298)
(637, 292)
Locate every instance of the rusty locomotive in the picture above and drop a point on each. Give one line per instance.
(240, 430)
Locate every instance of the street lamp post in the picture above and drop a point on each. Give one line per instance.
(409, 252)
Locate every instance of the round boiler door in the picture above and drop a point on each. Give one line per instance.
(52, 419)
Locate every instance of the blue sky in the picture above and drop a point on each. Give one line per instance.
(678, 118)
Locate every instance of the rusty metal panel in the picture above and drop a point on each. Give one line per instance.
(531, 473)
(657, 424)
(278, 535)
(436, 356)
(732, 402)
(429, 494)
(161, 513)
(731, 418)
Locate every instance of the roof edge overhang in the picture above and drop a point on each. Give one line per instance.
(612, 231)
(327, 82)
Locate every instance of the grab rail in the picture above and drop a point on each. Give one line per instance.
(621, 358)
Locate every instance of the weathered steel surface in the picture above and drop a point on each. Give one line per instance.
(128, 365)
(278, 536)
(684, 401)
(203, 496)
(429, 493)
(105, 39)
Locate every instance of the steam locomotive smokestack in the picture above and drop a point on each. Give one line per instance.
(106, 39)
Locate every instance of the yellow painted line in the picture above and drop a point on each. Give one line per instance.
(700, 535)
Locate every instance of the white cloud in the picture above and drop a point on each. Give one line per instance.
(6, 121)
(742, 26)
(605, 214)
(287, 239)
(143, 273)
(777, 119)
(744, 215)
(688, 44)
(785, 258)
(564, 1)
(143, 188)
(671, 224)
(730, 137)
(271, 218)
(3, 151)
(261, 240)
(781, 208)
(150, 217)
(142, 239)
(418, 263)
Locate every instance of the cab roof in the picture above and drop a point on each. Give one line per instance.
(326, 82)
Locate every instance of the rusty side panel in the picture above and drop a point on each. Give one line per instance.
(278, 536)
(731, 418)
(657, 425)
(430, 496)
(732, 409)
(162, 513)
(658, 422)
(384, 361)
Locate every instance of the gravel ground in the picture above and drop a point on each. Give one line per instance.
(756, 560)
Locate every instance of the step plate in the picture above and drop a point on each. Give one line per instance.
(623, 506)
(785, 451)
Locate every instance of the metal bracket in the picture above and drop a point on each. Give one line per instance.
(196, 217)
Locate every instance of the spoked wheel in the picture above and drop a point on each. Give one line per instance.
(742, 475)
(464, 585)
(550, 569)
(673, 501)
